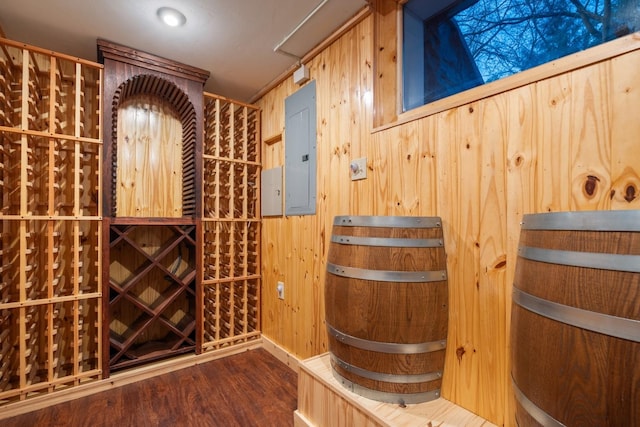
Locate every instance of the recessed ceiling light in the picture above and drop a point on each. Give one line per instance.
(171, 17)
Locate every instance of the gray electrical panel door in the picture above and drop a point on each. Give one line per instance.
(300, 151)
(271, 194)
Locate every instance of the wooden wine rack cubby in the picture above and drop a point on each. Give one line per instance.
(230, 223)
(152, 292)
(51, 231)
(153, 174)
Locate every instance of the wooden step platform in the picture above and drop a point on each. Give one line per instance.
(323, 401)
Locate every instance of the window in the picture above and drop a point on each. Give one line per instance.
(453, 45)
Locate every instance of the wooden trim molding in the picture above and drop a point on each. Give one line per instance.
(281, 354)
(19, 45)
(136, 57)
(386, 87)
(273, 139)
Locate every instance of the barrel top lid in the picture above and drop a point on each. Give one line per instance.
(388, 221)
(628, 220)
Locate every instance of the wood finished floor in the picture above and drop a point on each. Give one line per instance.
(248, 389)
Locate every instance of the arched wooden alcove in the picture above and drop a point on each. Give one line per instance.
(152, 171)
(129, 73)
(164, 184)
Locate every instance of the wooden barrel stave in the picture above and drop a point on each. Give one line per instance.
(577, 370)
(419, 365)
(423, 318)
(403, 307)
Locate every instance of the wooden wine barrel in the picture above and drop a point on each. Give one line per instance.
(386, 302)
(575, 326)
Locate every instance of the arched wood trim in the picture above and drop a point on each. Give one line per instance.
(146, 84)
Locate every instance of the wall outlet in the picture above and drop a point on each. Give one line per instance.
(358, 168)
(280, 290)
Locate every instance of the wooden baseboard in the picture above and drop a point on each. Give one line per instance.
(300, 420)
(123, 378)
(281, 354)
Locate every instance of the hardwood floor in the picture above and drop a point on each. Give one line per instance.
(248, 389)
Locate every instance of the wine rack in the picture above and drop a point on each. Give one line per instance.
(153, 135)
(50, 232)
(230, 223)
(181, 276)
(152, 292)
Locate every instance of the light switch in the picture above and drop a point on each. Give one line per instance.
(358, 169)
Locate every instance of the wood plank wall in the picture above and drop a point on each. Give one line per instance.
(568, 142)
(149, 158)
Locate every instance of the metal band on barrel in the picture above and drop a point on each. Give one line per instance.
(388, 378)
(532, 409)
(602, 261)
(386, 347)
(584, 221)
(387, 242)
(382, 396)
(388, 221)
(387, 276)
(601, 323)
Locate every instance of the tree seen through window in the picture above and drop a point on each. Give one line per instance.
(473, 42)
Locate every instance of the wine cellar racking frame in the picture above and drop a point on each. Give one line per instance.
(165, 303)
(152, 278)
(50, 258)
(230, 223)
(86, 289)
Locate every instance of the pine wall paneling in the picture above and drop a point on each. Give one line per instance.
(149, 159)
(625, 131)
(387, 56)
(564, 141)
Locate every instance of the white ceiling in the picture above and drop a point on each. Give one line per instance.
(232, 39)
